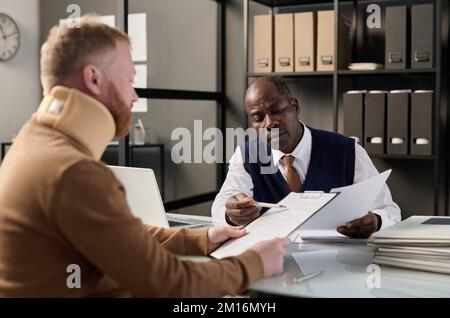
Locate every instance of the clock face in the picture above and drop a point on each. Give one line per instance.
(9, 37)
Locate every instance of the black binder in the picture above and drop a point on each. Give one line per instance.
(354, 115)
(422, 122)
(374, 122)
(422, 36)
(398, 122)
(396, 35)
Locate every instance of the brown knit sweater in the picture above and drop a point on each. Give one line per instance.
(60, 206)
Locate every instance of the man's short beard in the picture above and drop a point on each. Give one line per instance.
(121, 113)
(123, 124)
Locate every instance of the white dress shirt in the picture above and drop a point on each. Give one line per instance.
(239, 181)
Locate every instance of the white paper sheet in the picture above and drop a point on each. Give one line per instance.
(277, 222)
(140, 81)
(137, 30)
(353, 201)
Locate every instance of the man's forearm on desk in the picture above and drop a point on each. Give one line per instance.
(181, 241)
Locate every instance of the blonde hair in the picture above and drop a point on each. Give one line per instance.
(68, 49)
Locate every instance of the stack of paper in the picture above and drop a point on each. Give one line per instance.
(365, 66)
(419, 242)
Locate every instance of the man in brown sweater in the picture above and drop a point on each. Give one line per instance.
(61, 210)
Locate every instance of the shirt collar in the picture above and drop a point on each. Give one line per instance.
(301, 152)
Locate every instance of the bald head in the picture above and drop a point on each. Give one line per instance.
(270, 106)
(265, 87)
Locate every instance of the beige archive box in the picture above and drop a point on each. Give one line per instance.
(325, 40)
(262, 44)
(284, 42)
(304, 41)
(326, 57)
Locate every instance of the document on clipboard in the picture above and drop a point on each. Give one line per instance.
(277, 222)
(312, 214)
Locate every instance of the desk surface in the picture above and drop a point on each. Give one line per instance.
(347, 274)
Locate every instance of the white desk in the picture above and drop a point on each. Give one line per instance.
(346, 275)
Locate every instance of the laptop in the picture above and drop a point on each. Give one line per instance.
(144, 198)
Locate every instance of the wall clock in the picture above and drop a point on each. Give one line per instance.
(9, 37)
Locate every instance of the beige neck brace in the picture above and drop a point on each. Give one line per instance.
(78, 116)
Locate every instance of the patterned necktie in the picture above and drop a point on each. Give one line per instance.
(292, 177)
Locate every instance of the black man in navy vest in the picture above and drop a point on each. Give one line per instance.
(305, 159)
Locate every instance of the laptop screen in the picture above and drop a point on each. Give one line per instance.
(142, 193)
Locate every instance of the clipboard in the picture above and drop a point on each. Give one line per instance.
(277, 222)
(308, 211)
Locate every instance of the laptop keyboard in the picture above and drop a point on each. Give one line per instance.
(190, 224)
(176, 223)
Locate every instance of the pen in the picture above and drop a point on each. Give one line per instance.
(306, 277)
(269, 205)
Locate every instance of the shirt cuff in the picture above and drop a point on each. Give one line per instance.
(386, 218)
(219, 219)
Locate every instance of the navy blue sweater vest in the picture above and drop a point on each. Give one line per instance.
(332, 165)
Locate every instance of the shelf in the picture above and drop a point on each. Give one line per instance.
(280, 3)
(393, 72)
(302, 74)
(409, 157)
(430, 71)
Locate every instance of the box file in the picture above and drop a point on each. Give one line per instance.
(398, 122)
(284, 42)
(354, 115)
(325, 40)
(396, 35)
(262, 44)
(422, 122)
(304, 41)
(326, 57)
(374, 122)
(422, 36)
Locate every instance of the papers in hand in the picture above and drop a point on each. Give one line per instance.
(309, 211)
(276, 222)
(353, 202)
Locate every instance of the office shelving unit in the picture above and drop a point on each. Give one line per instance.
(434, 78)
